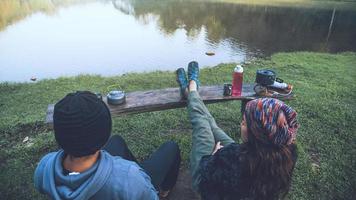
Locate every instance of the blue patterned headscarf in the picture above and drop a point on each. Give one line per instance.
(271, 121)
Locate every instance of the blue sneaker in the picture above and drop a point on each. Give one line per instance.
(193, 72)
(182, 81)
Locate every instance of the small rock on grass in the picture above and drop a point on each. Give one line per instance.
(25, 139)
(315, 168)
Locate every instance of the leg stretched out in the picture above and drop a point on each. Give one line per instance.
(205, 131)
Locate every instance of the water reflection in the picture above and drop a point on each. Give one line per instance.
(50, 38)
(270, 29)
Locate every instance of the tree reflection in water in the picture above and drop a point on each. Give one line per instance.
(268, 28)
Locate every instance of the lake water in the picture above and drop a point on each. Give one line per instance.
(50, 38)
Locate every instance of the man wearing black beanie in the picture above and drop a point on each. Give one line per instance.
(92, 166)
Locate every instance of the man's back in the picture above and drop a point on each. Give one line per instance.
(111, 177)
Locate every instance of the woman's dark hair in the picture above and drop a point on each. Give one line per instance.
(252, 170)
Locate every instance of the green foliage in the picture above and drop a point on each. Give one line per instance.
(324, 85)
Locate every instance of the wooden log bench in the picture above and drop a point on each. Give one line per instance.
(163, 99)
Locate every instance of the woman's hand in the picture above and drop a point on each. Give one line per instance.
(217, 147)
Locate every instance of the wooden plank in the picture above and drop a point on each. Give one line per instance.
(154, 100)
(49, 114)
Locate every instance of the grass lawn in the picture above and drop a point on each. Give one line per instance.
(324, 85)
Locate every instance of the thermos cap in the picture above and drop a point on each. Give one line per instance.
(266, 72)
(239, 69)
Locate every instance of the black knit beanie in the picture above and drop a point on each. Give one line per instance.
(82, 123)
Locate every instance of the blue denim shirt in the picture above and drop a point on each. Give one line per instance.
(111, 177)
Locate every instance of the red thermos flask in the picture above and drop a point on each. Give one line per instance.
(237, 79)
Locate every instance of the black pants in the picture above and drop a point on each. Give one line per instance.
(162, 166)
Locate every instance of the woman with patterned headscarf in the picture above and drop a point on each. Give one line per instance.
(259, 168)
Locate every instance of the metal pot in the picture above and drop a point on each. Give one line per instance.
(116, 97)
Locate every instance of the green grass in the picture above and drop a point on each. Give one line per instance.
(325, 89)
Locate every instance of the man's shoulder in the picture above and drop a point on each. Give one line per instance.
(128, 179)
(48, 158)
(45, 164)
(125, 167)
(118, 161)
